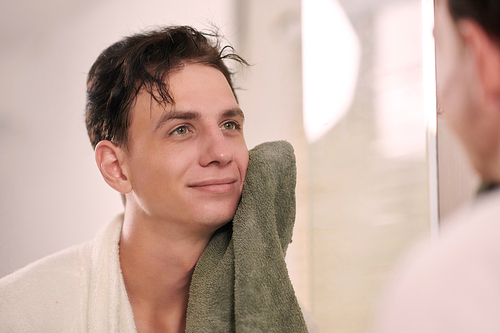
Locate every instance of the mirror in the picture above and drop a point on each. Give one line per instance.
(349, 83)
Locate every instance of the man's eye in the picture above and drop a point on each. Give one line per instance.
(180, 130)
(230, 125)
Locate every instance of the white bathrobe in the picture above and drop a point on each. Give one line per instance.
(80, 289)
(454, 284)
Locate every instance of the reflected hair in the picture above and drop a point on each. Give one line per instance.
(144, 61)
(485, 12)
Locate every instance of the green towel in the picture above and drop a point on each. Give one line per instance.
(241, 283)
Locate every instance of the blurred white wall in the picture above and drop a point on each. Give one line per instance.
(51, 193)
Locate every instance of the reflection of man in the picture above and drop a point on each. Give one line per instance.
(454, 285)
(168, 134)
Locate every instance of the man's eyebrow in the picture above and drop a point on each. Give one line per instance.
(166, 116)
(190, 115)
(233, 113)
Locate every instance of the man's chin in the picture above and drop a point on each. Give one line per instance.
(217, 220)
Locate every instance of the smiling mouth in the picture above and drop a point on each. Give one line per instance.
(215, 186)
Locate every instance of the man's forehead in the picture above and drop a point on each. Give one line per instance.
(188, 95)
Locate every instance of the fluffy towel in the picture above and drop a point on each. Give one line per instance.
(241, 283)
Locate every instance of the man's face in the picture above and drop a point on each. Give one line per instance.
(187, 161)
(457, 86)
(452, 89)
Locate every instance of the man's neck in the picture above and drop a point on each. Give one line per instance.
(157, 263)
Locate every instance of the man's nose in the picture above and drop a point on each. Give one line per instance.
(215, 148)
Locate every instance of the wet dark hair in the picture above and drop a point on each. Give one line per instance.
(144, 61)
(485, 12)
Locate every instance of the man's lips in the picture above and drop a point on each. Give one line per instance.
(214, 185)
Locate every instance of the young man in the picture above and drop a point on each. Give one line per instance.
(454, 285)
(167, 130)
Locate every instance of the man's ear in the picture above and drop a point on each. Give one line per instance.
(110, 158)
(485, 54)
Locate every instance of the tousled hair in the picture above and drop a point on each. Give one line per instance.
(144, 61)
(485, 12)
